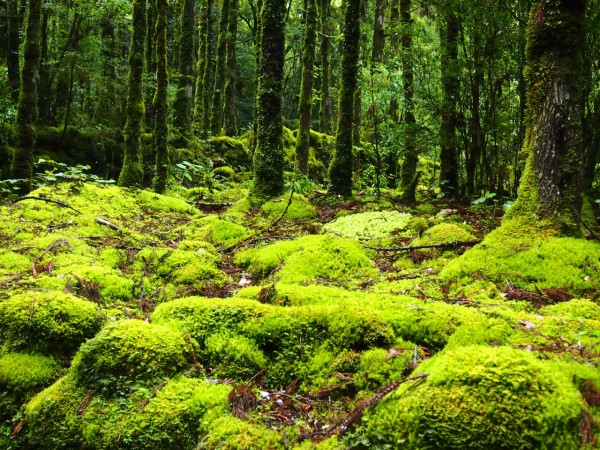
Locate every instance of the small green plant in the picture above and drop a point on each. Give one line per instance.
(484, 199)
(56, 172)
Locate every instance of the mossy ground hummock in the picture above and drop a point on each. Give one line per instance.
(162, 326)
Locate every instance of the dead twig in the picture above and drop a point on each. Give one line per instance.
(47, 200)
(50, 248)
(84, 404)
(418, 247)
(110, 225)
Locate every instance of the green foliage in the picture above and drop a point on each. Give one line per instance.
(309, 258)
(51, 323)
(475, 398)
(128, 353)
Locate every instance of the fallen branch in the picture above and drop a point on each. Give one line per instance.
(286, 208)
(418, 247)
(104, 222)
(47, 200)
(51, 247)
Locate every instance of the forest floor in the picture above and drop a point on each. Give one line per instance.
(134, 320)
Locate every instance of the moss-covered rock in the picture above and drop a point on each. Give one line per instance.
(476, 398)
(50, 323)
(230, 433)
(299, 209)
(216, 231)
(445, 233)
(309, 258)
(128, 353)
(232, 151)
(233, 356)
(369, 225)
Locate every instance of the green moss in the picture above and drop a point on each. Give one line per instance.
(475, 398)
(230, 433)
(53, 322)
(444, 233)
(299, 209)
(378, 367)
(224, 172)
(484, 331)
(575, 309)
(369, 225)
(205, 316)
(12, 262)
(216, 231)
(129, 352)
(308, 259)
(232, 151)
(110, 283)
(530, 261)
(233, 357)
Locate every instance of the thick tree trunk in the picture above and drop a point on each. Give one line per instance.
(408, 172)
(150, 61)
(159, 183)
(182, 108)
(450, 87)
(27, 110)
(340, 169)
(550, 191)
(132, 172)
(305, 108)
(229, 119)
(216, 119)
(269, 155)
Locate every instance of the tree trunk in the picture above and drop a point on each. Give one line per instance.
(150, 61)
(204, 37)
(379, 32)
(408, 172)
(216, 119)
(340, 169)
(159, 183)
(325, 109)
(269, 155)
(27, 110)
(305, 108)
(550, 191)
(450, 87)
(132, 172)
(229, 119)
(12, 57)
(182, 108)
(208, 75)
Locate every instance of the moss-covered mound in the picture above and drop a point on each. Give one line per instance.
(53, 322)
(479, 398)
(230, 433)
(445, 233)
(131, 352)
(309, 258)
(369, 225)
(216, 231)
(530, 262)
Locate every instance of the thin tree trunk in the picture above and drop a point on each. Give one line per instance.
(204, 36)
(12, 57)
(325, 109)
(229, 119)
(216, 119)
(305, 108)
(379, 32)
(159, 183)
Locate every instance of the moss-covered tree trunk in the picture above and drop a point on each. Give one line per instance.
(229, 119)
(132, 172)
(216, 117)
(391, 154)
(379, 32)
(269, 155)
(159, 183)
(550, 191)
(12, 47)
(183, 106)
(204, 37)
(325, 108)
(408, 172)
(207, 77)
(150, 61)
(449, 28)
(306, 98)
(340, 169)
(27, 108)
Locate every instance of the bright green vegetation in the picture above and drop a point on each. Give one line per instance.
(479, 397)
(136, 337)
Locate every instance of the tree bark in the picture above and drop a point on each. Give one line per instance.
(204, 36)
(12, 56)
(159, 183)
(306, 102)
(340, 168)
(550, 191)
(325, 108)
(229, 119)
(216, 119)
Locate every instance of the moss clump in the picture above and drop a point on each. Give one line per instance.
(530, 261)
(299, 209)
(111, 284)
(216, 231)
(308, 259)
(205, 316)
(232, 151)
(130, 352)
(369, 225)
(476, 398)
(445, 233)
(575, 309)
(378, 366)
(233, 357)
(230, 433)
(52, 323)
